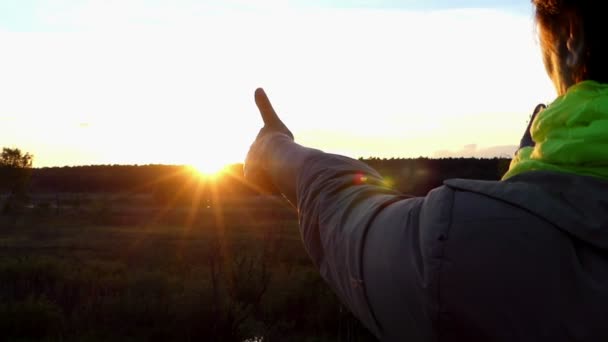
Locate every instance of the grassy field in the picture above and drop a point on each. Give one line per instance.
(102, 268)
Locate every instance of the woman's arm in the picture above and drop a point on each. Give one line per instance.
(356, 230)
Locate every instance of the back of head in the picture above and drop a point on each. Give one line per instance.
(564, 24)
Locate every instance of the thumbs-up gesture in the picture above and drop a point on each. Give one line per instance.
(258, 162)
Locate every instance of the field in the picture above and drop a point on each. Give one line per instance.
(151, 253)
(123, 268)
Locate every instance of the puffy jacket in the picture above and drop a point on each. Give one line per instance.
(519, 260)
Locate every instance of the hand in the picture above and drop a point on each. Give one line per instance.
(272, 123)
(257, 163)
(526, 140)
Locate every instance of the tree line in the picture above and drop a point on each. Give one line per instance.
(182, 183)
(411, 176)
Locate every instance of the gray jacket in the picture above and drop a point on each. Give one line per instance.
(518, 260)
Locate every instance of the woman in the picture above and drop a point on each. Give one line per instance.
(524, 258)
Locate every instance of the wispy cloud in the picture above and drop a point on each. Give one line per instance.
(473, 151)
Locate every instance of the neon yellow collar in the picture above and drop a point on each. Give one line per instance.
(571, 135)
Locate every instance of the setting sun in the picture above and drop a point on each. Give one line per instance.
(209, 169)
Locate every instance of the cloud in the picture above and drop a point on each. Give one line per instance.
(472, 151)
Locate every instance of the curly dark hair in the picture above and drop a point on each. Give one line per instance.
(589, 16)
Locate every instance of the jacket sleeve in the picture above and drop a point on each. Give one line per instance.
(363, 236)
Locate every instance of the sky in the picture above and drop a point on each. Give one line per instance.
(171, 82)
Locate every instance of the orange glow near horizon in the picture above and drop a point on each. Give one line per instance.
(209, 169)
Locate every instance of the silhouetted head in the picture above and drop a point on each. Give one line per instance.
(572, 36)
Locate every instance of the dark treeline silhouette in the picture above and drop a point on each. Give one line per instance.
(164, 182)
(418, 176)
(410, 176)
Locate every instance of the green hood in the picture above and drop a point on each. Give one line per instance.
(571, 135)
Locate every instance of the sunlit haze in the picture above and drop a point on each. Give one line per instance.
(172, 82)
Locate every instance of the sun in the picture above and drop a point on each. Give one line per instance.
(211, 164)
(209, 169)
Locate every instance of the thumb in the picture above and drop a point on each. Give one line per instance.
(269, 116)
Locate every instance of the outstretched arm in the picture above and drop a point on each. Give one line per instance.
(358, 232)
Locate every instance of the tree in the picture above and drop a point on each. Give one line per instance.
(15, 175)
